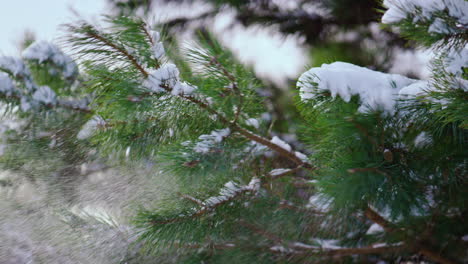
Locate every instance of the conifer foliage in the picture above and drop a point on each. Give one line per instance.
(378, 173)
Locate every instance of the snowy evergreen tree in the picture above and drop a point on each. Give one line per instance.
(375, 172)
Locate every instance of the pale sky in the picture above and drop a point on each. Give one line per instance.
(39, 16)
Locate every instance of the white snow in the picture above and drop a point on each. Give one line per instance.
(277, 172)
(254, 184)
(182, 88)
(376, 90)
(413, 90)
(277, 141)
(6, 84)
(25, 104)
(232, 189)
(90, 127)
(457, 60)
(374, 229)
(304, 246)
(252, 122)
(327, 243)
(167, 74)
(320, 202)
(423, 139)
(158, 50)
(301, 156)
(439, 26)
(424, 10)
(255, 148)
(157, 47)
(207, 141)
(44, 51)
(379, 245)
(45, 95)
(14, 65)
(281, 249)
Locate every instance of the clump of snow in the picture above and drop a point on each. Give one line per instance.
(25, 104)
(374, 229)
(155, 36)
(231, 190)
(82, 103)
(255, 148)
(157, 47)
(182, 88)
(303, 246)
(90, 127)
(277, 172)
(167, 75)
(45, 95)
(320, 202)
(301, 156)
(424, 10)
(6, 84)
(327, 243)
(254, 184)
(14, 65)
(439, 26)
(379, 245)
(413, 90)
(158, 50)
(45, 51)
(207, 141)
(277, 141)
(423, 139)
(253, 122)
(457, 60)
(376, 90)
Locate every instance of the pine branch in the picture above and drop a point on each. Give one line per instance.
(121, 50)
